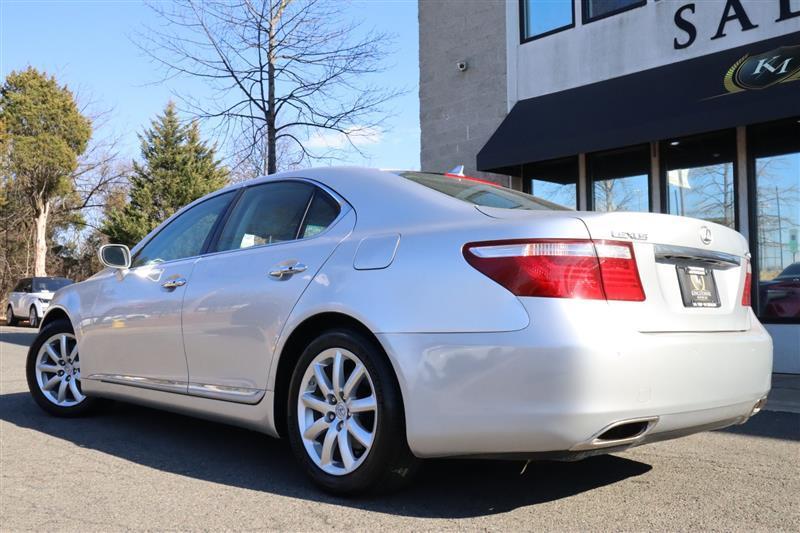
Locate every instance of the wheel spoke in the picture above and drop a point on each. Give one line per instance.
(73, 387)
(62, 391)
(359, 433)
(51, 369)
(327, 446)
(74, 353)
(63, 345)
(338, 376)
(323, 382)
(315, 403)
(52, 382)
(316, 428)
(52, 353)
(353, 380)
(345, 450)
(363, 404)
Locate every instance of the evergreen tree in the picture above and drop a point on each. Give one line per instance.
(177, 168)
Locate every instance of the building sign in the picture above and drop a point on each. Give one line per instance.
(733, 13)
(760, 71)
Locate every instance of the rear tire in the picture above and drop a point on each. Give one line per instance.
(33, 317)
(348, 445)
(53, 372)
(11, 320)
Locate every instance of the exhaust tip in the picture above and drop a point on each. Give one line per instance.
(620, 433)
(760, 404)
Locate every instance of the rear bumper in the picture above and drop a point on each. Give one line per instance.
(553, 387)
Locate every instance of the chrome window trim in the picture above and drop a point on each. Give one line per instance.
(344, 209)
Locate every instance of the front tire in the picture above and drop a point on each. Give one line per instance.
(345, 416)
(33, 317)
(11, 320)
(53, 370)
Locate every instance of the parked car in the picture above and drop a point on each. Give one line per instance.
(374, 318)
(780, 296)
(31, 297)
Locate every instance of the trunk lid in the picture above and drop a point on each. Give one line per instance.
(672, 253)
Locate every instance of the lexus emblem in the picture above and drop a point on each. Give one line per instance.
(705, 235)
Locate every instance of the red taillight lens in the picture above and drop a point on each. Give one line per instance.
(560, 268)
(748, 281)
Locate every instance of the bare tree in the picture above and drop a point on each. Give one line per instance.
(283, 70)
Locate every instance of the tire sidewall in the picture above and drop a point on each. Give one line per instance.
(10, 319)
(390, 438)
(53, 328)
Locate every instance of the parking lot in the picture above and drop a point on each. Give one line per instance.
(136, 468)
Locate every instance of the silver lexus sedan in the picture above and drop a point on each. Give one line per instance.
(375, 318)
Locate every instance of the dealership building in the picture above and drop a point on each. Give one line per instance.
(668, 106)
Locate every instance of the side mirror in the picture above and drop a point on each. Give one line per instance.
(115, 256)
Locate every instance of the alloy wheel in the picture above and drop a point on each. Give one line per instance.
(337, 411)
(9, 316)
(58, 370)
(33, 318)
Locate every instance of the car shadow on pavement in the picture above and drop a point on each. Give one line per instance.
(18, 336)
(770, 424)
(240, 458)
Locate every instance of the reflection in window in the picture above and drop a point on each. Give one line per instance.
(778, 211)
(562, 194)
(544, 16)
(704, 192)
(629, 193)
(599, 8)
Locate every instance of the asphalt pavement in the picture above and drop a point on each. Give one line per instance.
(130, 467)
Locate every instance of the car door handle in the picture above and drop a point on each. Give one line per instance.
(287, 270)
(174, 283)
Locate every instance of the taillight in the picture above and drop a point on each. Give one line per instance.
(748, 281)
(593, 270)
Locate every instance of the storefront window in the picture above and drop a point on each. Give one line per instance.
(700, 177)
(596, 9)
(554, 181)
(620, 179)
(542, 17)
(563, 194)
(777, 226)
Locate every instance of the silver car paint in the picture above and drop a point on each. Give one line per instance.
(526, 374)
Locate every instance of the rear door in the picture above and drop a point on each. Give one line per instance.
(20, 294)
(277, 237)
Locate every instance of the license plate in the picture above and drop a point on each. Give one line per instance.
(698, 287)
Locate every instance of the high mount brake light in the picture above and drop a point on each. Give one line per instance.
(586, 269)
(748, 284)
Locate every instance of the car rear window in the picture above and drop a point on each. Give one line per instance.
(481, 193)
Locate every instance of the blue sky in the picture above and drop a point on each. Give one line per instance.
(89, 45)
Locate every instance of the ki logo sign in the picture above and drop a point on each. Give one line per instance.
(764, 70)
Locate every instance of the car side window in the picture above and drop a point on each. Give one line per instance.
(27, 285)
(186, 235)
(266, 214)
(322, 212)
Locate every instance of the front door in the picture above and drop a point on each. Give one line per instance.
(276, 239)
(134, 336)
